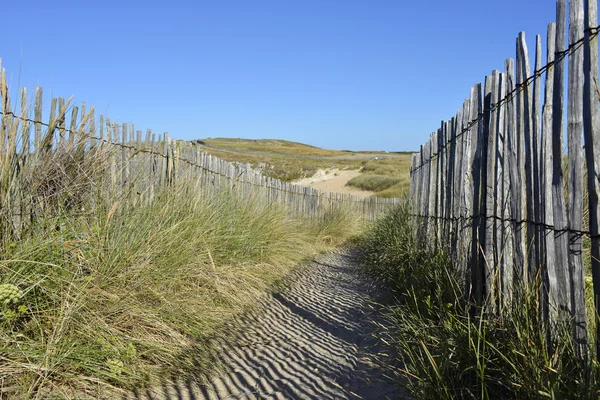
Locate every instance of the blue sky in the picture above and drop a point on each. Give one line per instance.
(339, 74)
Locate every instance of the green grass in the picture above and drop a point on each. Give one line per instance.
(448, 350)
(116, 296)
(102, 293)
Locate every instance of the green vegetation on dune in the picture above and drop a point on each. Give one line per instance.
(272, 146)
(280, 167)
(446, 349)
(374, 183)
(385, 173)
(388, 176)
(102, 296)
(397, 191)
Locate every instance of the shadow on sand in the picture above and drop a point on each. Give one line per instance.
(313, 340)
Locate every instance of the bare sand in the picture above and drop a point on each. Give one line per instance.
(334, 181)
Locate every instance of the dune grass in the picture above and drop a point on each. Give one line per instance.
(114, 297)
(389, 177)
(374, 183)
(102, 292)
(449, 350)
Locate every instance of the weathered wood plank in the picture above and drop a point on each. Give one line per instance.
(48, 140)
(575, 175)
(591, 128)
(5, 119)
(476, 149)
(524, 155)
(490, 257)
(73, 129)
(441, 186)
(466, 195)
(37, 116)
(554, 271)
(538, 181)
(458, 172)
(420, 191)
(531, 162)
(62, 108)
(504, 229)
(413, 177)
(450, 188)
(515, 189)
(100, 133)
(433, 187)
(25, 125)
(429, 191)
(558, 201)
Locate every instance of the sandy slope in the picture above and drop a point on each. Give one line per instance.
(334, 181)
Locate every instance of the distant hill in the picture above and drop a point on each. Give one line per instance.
(386, 173)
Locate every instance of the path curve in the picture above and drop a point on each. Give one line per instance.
(313, 340)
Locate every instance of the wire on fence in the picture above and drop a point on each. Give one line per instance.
(359, 199)
(560, 55)
(511, 220)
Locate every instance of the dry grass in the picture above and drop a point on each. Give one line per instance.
(109, 293)
(114, 298)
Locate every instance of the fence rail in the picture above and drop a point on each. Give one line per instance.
(490, 188)
(138, 164)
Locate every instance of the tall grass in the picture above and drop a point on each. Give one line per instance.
(446, 348)
(103, 292)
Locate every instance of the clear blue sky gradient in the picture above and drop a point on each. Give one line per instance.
(339, 74)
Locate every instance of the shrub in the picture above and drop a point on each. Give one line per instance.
(373, 182)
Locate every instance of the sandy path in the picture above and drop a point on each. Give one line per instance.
(334, 181)
(313, 340)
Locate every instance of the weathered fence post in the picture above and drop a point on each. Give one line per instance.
(575, 175)
(490, 257)
(591, 128)
(561, 235)
(538, 182)
(525, 156)
(475, 151)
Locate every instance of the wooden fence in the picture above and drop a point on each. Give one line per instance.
(137, 165)
(491, 186)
